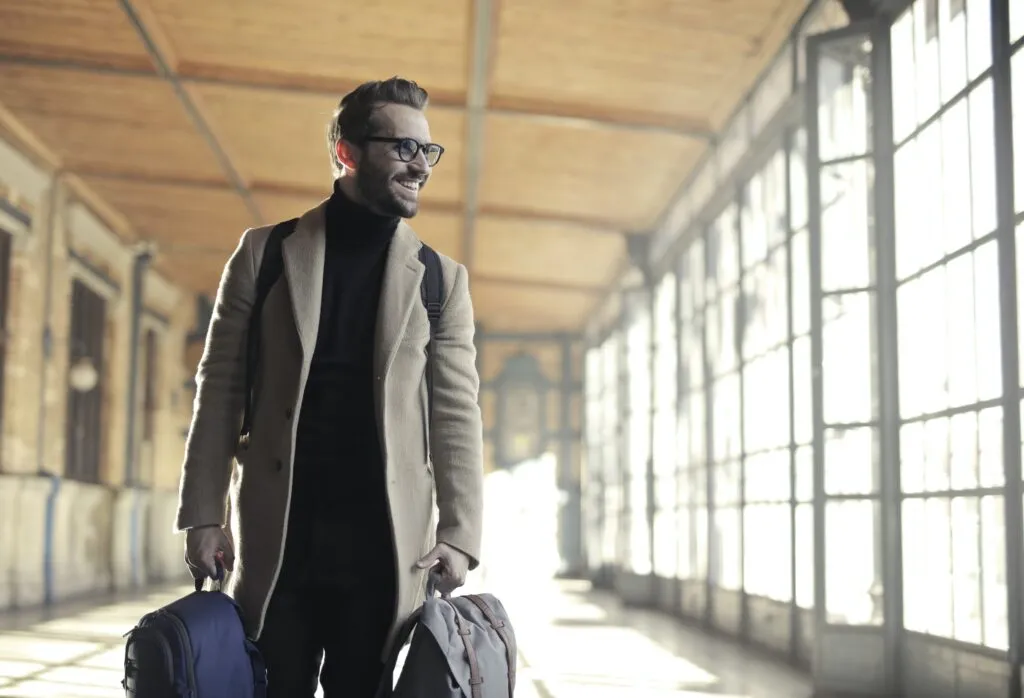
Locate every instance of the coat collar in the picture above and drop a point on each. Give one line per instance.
(303, 253)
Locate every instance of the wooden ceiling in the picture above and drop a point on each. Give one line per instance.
(567, 125)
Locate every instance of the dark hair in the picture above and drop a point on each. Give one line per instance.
(353, 119)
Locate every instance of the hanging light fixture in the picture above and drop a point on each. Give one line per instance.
(83, 375)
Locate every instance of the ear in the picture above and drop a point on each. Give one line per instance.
(346, 154)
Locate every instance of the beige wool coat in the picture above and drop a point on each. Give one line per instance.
(431, 498)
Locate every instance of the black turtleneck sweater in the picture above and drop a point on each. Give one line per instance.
(338, 530)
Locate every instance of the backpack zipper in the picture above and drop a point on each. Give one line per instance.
(186, 645)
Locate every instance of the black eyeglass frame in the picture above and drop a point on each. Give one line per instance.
(415, 148)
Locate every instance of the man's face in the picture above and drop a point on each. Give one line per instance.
(387, 184)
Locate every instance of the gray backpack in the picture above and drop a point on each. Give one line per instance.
(462, 647)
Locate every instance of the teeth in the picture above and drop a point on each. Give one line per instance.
(410, 184)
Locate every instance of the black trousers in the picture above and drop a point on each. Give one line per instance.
(344, 626)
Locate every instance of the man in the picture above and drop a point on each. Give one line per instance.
(332, 529)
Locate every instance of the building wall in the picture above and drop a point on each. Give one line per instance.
(64, 538)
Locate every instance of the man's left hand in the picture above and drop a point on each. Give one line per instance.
(452, 567)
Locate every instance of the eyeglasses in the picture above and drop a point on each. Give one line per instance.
(409, 148)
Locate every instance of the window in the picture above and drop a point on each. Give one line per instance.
(593, 477)
(763, 334)
(638, 371)
(84, 427)
(723, 261)
(951, 460)
(611, 463)
(692, 509)
(665, 428)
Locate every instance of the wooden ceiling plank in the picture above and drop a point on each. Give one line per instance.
(82, 31)
(164, 68)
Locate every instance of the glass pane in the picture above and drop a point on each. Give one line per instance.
(952, 49)
(767, 550)
(805, 555)
(990, 448)
(700, 538)
(961, 338)
(727, 483)
(853, 585)
(979, 37)
(965, 531)
(803, 424)
(847, 369)
(639, 538)
(850, 461)
(801, 283)
(766, 477)
(665, 543)
(844, 89)
(993, 572)
(684, 544)
(922, 344)
(729, 572)
(798, 180)
(639, 375)
(987, 337)
(766, 402)
(804, 474)
(918, 173)
(846, 242)
(1018, 126)
(764, 288)
(983, 159)
(903, 107)
(726, 421)
(722, 251)
(956, 179)
(927, 563)
(926, 57)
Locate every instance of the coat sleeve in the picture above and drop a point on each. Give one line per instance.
(456, 430)
(217, 410)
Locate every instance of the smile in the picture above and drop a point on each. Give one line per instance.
(412, 185)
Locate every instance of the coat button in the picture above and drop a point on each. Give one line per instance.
(288, 412)
(278, 465)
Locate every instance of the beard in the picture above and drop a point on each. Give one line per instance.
(381, 192)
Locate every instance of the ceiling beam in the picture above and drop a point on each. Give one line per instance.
(554, 112)
(483, 30)
(165, 71)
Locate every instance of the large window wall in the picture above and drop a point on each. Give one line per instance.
(950, 379)
(934, 448)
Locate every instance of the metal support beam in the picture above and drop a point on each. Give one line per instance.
(164, 70)
(476, 114)
(1009, 333)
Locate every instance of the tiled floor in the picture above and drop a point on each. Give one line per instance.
(574, 644)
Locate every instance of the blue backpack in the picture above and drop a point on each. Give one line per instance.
(194, 647)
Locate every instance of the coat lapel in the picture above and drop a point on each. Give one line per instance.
(400, 289)
(303, 253)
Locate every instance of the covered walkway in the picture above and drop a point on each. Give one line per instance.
(746, 276)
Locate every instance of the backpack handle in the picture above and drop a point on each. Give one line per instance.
(218, 578)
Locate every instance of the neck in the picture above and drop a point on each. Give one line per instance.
(347, 210)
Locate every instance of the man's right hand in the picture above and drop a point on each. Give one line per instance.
(203, 546)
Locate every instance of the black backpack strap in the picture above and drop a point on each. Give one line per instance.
(432, 292)
(270, 271)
